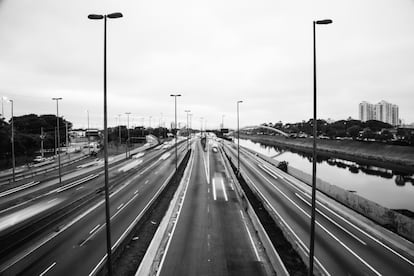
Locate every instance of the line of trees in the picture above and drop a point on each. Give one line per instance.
(355, 129)
(27, 135)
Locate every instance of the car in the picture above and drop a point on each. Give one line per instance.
(39, 159)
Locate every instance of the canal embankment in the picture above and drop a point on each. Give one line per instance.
(398, 158)
(388, 218)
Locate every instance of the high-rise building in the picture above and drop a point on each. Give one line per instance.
(382, 111)
(366, 111)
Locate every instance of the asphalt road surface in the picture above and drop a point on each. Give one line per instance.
(77, 245)
(210, 236)
(341, 246)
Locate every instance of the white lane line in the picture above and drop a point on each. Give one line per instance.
(93, 230)
(224, 189)
(47, 269)
(146, 182)
(176, 222)
(50, 201)
(208, 208)
(214, 190)
(345, 220)
(205, 168)
(81, 187)
(331, 220)
(320, 225)
(17, 189)
(136, 191)
(120, 206)
(100, 263)
(367, 234)
(225, 168)
(302, 246)
(250, 236)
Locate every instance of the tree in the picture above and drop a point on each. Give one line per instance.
(353, 131)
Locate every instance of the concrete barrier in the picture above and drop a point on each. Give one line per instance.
(153, 255)
(392, 220)
(270, 251)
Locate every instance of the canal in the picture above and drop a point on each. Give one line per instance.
(380, 185)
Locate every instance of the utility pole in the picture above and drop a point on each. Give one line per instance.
(58, 135)
(127, 143)
(67, 140)
(42, 137)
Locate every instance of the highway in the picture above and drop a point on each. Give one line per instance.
(210, 236)
(341, 246)
(76, 245)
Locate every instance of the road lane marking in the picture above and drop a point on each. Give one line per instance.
(177, 218)
(292, 184)
(320, 225)
(250, 236)
(47, 269)
(120, 206)
(214, 190)
(331, 220)
(100, 263)
(17, 189)
(224, 189)
(146, 182)
(136, 191)
(93, 230)
(205, 168)
(367, 234)
(301, 244)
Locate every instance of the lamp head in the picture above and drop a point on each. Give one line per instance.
(323, 22)
(114, 15)
(95, 16)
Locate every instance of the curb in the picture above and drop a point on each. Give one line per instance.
(273, 256)
(152, 258)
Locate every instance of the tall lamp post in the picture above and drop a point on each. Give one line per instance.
(238, 139)
(107, 212)
(87, 134)
(12, 141)
(315, 122)
(188, 132)
(119, 128)
(58, 136)
(127, 143)
(176, 130)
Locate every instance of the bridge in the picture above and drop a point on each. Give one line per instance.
(201, 219)
(278, 131)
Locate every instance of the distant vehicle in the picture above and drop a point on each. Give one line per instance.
(214, 149)
(39, 159)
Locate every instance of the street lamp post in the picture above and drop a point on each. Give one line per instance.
(315, 122)
(176, 130)
(88, 134)
(107, 212)
(238, 139)
(58, 136)
(188, 133)
(12, 142)
(127, 143)
(119, 128)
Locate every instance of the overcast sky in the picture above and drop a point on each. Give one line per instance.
(212, 52)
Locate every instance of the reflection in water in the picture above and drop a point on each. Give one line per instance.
(400, 178)
(384, 186)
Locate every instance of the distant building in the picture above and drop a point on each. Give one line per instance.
(382, 111)
(366, 111)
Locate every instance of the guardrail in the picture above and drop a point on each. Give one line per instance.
(267, 244)
(7, 179)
